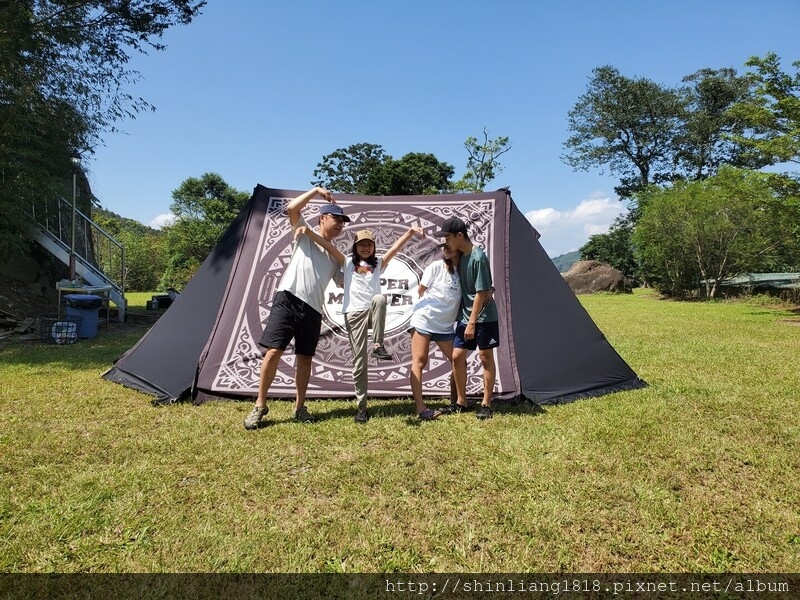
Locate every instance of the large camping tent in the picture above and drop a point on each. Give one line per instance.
(205, 345)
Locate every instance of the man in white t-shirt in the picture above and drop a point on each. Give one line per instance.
(298, 303)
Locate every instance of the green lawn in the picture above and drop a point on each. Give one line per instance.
(698, 472)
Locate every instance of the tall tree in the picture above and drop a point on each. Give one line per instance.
(63, 83)
(347, 170)
(203, 209)
(627, 125)
(366, 169)
(706, 140)
(415, 173)
(772, 113)
(207, 198)
(482, 162)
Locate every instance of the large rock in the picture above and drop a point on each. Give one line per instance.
(590, 276)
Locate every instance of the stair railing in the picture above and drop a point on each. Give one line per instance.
(95, 249)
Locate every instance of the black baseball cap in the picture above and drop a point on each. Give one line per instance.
(451, 225)
(335, 210)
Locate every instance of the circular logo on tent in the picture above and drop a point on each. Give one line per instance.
(399, 284)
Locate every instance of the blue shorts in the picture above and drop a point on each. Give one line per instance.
(487, 335)
(434, 337)
(290, 318)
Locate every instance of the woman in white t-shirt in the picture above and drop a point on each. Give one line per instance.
(433, 320)
(364, 307)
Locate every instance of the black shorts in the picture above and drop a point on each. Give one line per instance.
(290, 318)
(487, 335)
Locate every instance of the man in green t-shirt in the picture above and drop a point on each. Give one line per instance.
(478, 326)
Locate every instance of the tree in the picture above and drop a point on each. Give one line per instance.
(772, 114)
(415, 173)
(145, 260)
(614, 248)
(209, 199)
(63, 80)
(695, 234)
(627, 125)
(707, 138)
(367, 169)
(145, 252)
(347, 170)
(482, 162)
(203, 207)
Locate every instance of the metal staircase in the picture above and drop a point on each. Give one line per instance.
(99, 258)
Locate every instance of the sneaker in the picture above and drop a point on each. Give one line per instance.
(380, 353)
(301, 415)
(362, 416)
(253, 420)
(484, 412)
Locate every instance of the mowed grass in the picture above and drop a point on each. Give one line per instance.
(698, 472)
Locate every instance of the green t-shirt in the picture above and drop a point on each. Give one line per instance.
(475, 276)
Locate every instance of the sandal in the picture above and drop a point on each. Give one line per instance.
(455, 408)
(429, 414)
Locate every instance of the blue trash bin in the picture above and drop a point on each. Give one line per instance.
(87, 307)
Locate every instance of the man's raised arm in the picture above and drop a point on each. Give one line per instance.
(296, 206)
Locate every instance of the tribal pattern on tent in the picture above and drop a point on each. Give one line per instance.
(233, 357)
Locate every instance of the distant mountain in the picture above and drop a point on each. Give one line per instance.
(115, 224)
(565, 261)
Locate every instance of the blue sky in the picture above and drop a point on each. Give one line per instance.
(259, 91)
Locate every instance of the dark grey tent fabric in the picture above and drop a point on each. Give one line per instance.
(205, 345)
(164, 362)
(562, 354)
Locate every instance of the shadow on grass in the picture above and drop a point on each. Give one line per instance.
(98, 352)
(382, 408)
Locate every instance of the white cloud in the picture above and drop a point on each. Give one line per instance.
(594, 228)
(589, 208)
(568, 230)
(162, 220)
(543, 217)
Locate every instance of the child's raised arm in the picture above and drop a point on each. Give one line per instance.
(401, 241)
(318, 239)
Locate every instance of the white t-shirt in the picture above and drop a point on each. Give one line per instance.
(361, 285)
(309, 271)
(437, 309)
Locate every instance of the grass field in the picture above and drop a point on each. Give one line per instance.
(698, 472)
